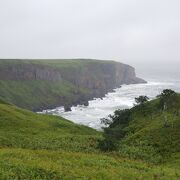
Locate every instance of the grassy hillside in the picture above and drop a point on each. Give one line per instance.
(147, 131)
(24, 129)
(43, 164)
(36, 94)
(151, 138)
(35, 146)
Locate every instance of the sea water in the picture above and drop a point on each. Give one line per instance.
(120, 98)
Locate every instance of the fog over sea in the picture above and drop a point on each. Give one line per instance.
(119, 99)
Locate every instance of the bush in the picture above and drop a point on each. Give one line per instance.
(116, 130)
(108, 145)
(167, 99)
(141, 100)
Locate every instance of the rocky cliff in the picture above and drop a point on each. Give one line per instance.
(74, 81)
(27, 72)
(101, 77)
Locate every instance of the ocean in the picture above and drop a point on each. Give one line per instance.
(120, 98)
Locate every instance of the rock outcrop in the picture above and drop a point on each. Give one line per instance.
(29, 72)
(96, 77)
(102, 77)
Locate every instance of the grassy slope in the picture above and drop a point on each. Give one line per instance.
(24, 129)
(33, 94)
(43, 164)
(149, 139)
(35, 146)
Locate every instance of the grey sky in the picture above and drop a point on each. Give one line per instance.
(126, 30)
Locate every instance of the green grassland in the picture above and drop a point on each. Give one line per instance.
(59, 63)
(34, 94)
(36, 146)
(43, 164)
(24, 129)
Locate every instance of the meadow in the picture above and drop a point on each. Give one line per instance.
(36, 146)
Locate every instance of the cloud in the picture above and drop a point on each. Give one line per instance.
(126, 30)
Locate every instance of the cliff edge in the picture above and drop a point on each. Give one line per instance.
(41, 84)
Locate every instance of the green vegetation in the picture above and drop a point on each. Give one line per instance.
(24, 129)
(141, 100)
(37, 94)
(142, 132)
(33, 94)
(43, 164)
(59, 63)
(36, 146)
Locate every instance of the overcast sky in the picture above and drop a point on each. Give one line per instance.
(130, 31)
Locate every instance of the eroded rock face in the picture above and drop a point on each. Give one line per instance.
(125, 74)
(92, 76)
(102, 77)
(29, 72)
(97, 77)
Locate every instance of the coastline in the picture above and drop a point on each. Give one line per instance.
(120, 98)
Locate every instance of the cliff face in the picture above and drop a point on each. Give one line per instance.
(125, 74)
(88, 80)
(102, 77)
(29, 72)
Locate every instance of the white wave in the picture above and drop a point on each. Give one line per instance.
(120, 98)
